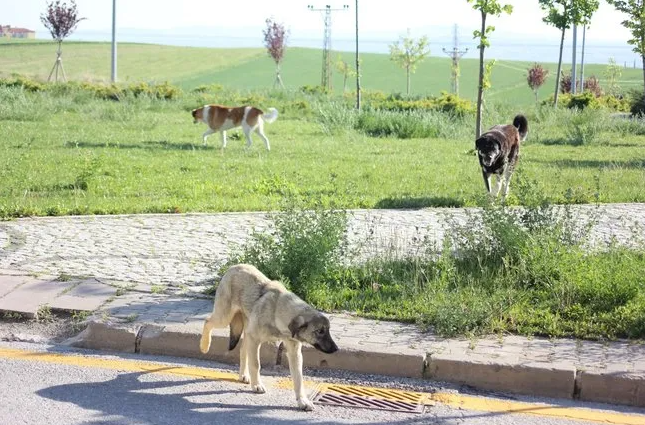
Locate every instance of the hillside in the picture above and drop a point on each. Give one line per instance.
(189, 67)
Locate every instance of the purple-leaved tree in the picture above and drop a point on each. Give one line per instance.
(275, 40)
(61, 21)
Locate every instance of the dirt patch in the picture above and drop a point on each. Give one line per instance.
(54, 329)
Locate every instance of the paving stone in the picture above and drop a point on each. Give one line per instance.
(29, 297)
(86, 296)
(9, 283)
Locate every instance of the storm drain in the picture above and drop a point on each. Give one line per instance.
(370, 398)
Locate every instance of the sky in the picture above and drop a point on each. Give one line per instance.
(378, 20)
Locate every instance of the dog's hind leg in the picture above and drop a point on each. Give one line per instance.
(244, 363)
(294, 354)
(247, 132)
(260, 131)
(220, 318)
(252, 348)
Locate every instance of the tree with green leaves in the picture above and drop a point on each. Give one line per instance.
(408, 53)
(485, 8)
(635, 9)
(612, 74)
(346, 71)
(563, 14)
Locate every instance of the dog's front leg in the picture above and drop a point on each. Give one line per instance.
(206, 134)
(223, 139)
(252, 347)
(294, 354)
(486, 180)
(498, 184)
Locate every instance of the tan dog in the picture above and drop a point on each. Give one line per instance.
(222, 118)
(264, 310)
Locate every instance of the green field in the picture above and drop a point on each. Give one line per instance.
(252, 69)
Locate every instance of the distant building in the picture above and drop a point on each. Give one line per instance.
(8, 31)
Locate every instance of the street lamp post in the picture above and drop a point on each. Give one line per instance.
(114, 41)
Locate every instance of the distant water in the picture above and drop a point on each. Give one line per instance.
(531, 51)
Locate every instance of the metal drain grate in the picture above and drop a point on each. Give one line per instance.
(370, 398)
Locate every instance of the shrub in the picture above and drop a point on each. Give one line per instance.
(585, 127)
(308, 241)
(637, 102)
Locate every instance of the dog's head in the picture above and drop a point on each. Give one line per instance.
(488, 149)
(313, 328)
(198, 115)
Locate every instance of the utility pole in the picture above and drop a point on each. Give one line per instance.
(574, 80)
(326, 64)
(358, 66)
(114, 41)
(455, 54)
(582, 61)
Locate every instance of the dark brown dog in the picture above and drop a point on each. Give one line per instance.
(498, 150)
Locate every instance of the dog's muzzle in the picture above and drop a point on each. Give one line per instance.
(329, 347)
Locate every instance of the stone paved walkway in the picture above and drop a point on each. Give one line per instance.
(182, 249)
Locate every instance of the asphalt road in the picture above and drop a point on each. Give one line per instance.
(47, 384)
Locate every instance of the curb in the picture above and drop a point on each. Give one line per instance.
(554, 380)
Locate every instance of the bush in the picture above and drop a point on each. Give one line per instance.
(446, 102)
(637, 103)
(307, 243)
(585, 127)
(408, 125)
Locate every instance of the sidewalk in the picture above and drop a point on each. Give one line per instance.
(143, 276)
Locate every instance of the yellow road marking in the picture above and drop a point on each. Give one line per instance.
(515, 407)
(453, 400)
(117, 364)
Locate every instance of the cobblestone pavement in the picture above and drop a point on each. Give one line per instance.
(184, 249)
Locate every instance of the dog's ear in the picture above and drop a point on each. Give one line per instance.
(296, 324)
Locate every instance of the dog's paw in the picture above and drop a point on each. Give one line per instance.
(259, 388)
(305, 404)
(204, 344)
(245, 379)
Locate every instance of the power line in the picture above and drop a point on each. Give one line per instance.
(326, 63)
(455, 54)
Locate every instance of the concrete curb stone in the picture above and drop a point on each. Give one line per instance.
(543, 379)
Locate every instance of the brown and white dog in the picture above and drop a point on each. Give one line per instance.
(222, 118)
(498, 150)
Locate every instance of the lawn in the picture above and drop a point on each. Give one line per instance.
(73, 154)
(252, 69)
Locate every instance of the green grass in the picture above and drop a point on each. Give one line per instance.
(73, 154)
(526, 271)
(252, 69)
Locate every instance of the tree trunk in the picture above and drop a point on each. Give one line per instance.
(643, 58)
(407, 69)
(557, 76)
(480, 89)
(345, 82)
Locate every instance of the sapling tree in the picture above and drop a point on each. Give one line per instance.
(61, 20)
(485, 8)
(635, 9)
(408, 53)
(563, 14)
(275, 40)
(536, 77)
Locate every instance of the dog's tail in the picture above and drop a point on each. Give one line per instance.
(270, 115)
(236, 329)
(522, 124)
